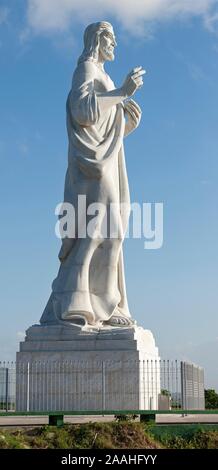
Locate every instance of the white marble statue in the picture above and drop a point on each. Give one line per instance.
(90, 286)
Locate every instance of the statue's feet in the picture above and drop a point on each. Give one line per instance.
(118, 320)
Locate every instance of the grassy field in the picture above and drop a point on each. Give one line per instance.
(113, 435)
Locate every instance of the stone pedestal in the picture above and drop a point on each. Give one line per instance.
(59, 369)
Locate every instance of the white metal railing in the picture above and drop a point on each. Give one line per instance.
(100, 385)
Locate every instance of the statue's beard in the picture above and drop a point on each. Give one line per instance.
(108, 53)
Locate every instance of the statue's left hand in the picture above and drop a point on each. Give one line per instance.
(134, 113)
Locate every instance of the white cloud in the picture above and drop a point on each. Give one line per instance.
(211, 22)
(20, 335)
(195, 71)
(24, 35)
(4, 12)
(58, 15)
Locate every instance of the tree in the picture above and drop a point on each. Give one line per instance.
(165, 392)
(211, 399)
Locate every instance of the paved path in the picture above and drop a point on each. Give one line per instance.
(186, 419)
(160, 419)
(41, 420)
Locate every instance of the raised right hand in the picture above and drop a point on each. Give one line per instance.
(133, 81)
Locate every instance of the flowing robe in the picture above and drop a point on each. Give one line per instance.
(90, 282)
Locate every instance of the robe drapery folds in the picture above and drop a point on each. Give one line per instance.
(90, 281)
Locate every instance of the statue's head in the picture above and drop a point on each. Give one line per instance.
(99, 42)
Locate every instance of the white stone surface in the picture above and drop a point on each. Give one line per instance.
(90, 285)
(88, 352)
(110, 369)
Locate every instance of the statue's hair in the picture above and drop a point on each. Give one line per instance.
(91, 40)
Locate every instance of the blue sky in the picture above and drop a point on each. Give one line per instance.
(171, 158)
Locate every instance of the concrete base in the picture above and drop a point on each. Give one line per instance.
(60, 369)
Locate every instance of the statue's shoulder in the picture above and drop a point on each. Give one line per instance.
(86, 67)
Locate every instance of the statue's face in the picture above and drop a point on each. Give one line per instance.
(107, 45)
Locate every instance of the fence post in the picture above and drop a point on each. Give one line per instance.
(6, 388)
(182, 385)
(28, 388)
(103, 385)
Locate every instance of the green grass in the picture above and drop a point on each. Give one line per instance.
(113, 435)
(190, 436)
